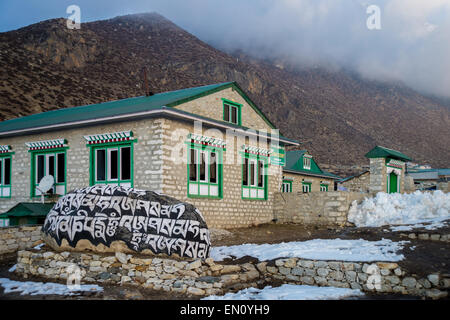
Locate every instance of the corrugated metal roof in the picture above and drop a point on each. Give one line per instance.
(382, 152)
(106, 109)
(23, 209)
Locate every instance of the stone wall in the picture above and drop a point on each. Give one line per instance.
(358, 183)
(386, 277)
(18, 238)
(315, 208)
(315, 182)
(200, 278)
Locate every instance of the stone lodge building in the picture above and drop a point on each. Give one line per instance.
(302, 174)
(210, 146)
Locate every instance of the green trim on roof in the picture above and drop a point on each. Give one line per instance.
(382, 152)
(27, 209)
(121, 107)
(294, 164)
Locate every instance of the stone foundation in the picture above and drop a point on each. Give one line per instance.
(202, 278)
(18, 238)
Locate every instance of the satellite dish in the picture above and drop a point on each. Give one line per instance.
(46, 183)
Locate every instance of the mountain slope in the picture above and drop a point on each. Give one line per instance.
(337, 115)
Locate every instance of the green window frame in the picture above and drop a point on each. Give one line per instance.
(306, 187)
(232, 112)
(5, 175)
(286, 186)
(49, 162)
(112, 164)
(323, 187)
(254, 177)
(4, 222)
(204, 172)
(306, 163)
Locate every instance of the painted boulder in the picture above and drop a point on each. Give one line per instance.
(105, 218)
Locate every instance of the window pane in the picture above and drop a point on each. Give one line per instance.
(61, 164)
(114, 164)
(101, 164)
(192, 165)
(245, 173)
(226, 112)
(40, 164)
(213, 168)
(202, 166)
(252, 173)
(51, 165)
(1, 173)
(125, 163)
(234, 115)
(260, 173)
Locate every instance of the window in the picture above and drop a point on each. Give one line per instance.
(112, 165)
(204, 172)
(323, 187)
(5, 177)
(286, 186)
(231, 112)
(254, 177)
(306, 187)
(51, 163)
(306, 163)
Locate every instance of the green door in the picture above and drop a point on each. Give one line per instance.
(393, 182)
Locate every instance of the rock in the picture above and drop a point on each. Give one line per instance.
(261, 267)
(297, 271)
(284, 271)
(322, 272)
(306, 264)
(307, 280)
(435, 237)
(194, 265)
(48, 254)
(122, 257)
(350, 276)
(398, 272)
(216, 267)
(272, 270)
(290, 263)
(230, 269)
(209, 261)
(412, 236)
(385, 272)
(126, 208)
(446, 283)
(253, 274)
(436, 294)
(409, 282)
(104, 275)
(208, 279)
(279, 262)
(387, 265)
(248, 267)
(392, 279)
(424, 236)
(434, 279)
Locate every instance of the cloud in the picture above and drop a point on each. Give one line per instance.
(413, 45)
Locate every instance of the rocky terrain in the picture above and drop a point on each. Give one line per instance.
(336, 115)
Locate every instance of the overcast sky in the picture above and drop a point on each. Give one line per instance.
(413, 44)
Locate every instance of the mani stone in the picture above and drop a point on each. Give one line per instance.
(105, 218)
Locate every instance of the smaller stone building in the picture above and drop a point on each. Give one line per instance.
(387, 170)
(356, 183)
(430, 179)
(302, 174)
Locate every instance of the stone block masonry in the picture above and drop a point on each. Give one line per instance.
(315, 208)
(13, 239)
(207, 277)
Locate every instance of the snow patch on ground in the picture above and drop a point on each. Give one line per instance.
(289, 292)
(401, 209)
(317, 249)
(431, 224)
(35, 288)
(13, 268)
